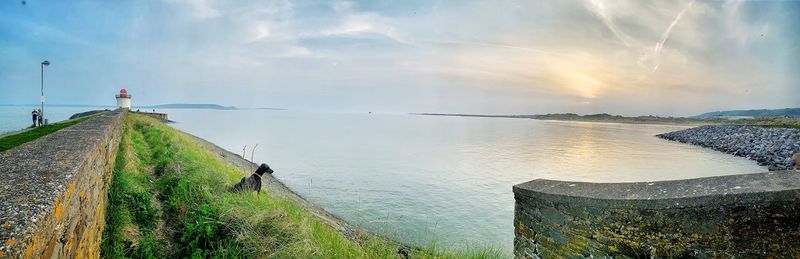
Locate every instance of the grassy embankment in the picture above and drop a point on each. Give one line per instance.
(11, 141)
(168, 198)
(770, 122)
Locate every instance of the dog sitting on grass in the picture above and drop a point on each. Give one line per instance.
(252, 183)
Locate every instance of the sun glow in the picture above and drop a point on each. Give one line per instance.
(583, 85)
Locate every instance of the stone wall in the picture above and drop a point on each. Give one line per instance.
(52, 198)
(748, 216)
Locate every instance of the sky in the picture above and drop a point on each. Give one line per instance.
(626, 57)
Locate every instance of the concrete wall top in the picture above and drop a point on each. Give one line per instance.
(776, 185)
(734, 216)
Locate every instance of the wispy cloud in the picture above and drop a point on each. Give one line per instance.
(495, 45)
(665, 35)
(199, 9)
(599, 8)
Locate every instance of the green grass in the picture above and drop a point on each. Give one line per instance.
(11, 141)
(131, 217)
(770, 122)
(202, 219)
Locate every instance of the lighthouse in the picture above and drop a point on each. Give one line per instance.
(124, 99)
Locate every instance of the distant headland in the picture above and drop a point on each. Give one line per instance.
(789, 117)
(762, 113)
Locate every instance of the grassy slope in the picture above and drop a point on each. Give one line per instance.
(200, 218)
(11, 141)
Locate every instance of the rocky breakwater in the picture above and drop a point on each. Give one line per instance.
(771, 147)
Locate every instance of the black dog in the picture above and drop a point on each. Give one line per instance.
(252, 183)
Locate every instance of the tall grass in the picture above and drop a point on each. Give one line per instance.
(204, 219)
(131, 216)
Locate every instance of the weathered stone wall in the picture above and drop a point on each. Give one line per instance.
(747, 216)
(53, 195)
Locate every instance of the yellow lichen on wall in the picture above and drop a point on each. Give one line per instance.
(57, 211)
(31, 247)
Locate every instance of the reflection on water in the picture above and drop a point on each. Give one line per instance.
(420, 178)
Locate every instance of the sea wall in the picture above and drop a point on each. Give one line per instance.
(53, 195)
(158, 116)
(747, 216)
(86, 113)
(771, 147)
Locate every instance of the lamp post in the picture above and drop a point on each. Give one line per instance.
(41, 98)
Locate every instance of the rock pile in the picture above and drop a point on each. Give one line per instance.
(771, 147)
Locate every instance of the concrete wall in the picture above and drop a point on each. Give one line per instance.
(748, 216)
(52, 198)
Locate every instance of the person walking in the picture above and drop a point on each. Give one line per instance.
(35, 116)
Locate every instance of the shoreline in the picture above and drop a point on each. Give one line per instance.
(350, 231)
(276, 187)
(280, 224)
(616, 121)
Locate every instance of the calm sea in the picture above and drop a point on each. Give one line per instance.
(423, 179)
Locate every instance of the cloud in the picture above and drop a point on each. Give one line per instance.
(592, 55)
(363, 25)
(665, 35)
(599, 8)
(199, 9)
(738, 27)
(260, 32)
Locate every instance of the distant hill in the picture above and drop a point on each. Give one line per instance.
(600, 117)
(763, 113)
(774, 120)
(188, 106)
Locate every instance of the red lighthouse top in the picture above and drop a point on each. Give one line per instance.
(123, 93)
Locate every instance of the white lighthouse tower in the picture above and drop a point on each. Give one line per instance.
(124, 99)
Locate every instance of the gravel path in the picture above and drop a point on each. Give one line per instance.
(771, 147)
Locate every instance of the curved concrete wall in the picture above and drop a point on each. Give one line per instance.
(52, 199)
(748, 216)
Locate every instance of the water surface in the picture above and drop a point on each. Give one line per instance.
(445, 179)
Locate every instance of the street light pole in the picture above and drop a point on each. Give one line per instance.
(41, 97)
